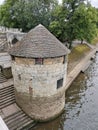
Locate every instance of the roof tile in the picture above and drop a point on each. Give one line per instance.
(39, 42)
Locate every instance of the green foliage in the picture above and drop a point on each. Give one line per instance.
(72, 20)
(26, 14)
(75, 20)
(85, 23)
(6, 18)
(57, 26)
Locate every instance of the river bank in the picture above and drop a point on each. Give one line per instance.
(80, 111)
(80, 62)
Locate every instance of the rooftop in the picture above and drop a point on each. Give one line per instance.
(39, 43)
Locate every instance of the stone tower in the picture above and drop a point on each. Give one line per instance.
(39, 67)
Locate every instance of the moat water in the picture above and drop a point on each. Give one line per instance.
(81, 108)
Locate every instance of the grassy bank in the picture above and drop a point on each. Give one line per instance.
(77, 53)
(95, 41)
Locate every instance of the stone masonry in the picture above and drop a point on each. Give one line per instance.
(39, 67)
(39, 96)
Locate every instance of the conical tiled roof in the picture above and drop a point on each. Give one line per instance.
(39, 43)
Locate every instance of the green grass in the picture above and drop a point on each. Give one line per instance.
(77, 53)
(95, 41)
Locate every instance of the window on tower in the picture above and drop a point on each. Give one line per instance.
(59, 83)
(39, 61)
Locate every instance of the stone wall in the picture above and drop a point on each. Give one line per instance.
(36, 86)
(42, 108)
(7, 35)
(5, 29)
(41, 78)
(10, 36)
(47, 61)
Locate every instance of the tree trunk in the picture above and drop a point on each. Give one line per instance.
(70, 45)
(81, 41)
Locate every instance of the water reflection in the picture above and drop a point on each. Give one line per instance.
(81, 108)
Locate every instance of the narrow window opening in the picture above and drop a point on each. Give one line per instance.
(39, 61)
(1, 68)
(19, 77)
(14, 41)
(59, 83)
(13, 58)
(64, 59)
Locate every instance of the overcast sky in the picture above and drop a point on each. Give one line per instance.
(93, 2)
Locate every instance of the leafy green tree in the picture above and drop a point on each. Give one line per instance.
(5, 13)
(58, 23)
(74, 20)
(63, 25)
(86, 18)
(71, 6)
(26, 14)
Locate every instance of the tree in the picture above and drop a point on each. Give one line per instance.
(63, 25)
(5, 13)
(74, 20)
(71, 6)
(26, 14)
(57, 25)
(86, 18)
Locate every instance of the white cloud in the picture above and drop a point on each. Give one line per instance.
(1, 1)
(60, 1)
(93, 2)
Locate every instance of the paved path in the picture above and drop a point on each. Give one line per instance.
(82, 66)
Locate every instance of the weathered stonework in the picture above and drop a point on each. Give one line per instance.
(41, 78)
(41, 108)
(39, 69)
(36, 86)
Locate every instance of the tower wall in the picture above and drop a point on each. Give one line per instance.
(39, 89)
